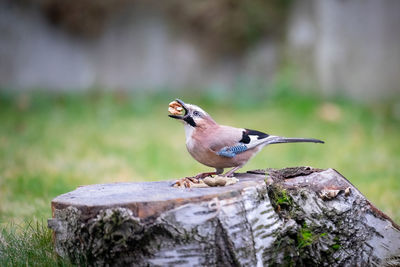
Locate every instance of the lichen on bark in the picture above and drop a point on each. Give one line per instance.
(114, 237)
(318, 232)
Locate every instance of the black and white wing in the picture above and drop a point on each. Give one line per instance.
(250, 139)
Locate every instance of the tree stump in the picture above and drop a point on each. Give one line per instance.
(295, 216)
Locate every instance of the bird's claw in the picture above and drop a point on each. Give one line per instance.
(193, 179)
(202, 175)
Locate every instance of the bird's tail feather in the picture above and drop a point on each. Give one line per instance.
(280, 140)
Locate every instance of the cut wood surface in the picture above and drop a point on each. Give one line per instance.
(147, 200)
(295, 216)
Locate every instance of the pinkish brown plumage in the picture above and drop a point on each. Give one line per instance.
(220, 146)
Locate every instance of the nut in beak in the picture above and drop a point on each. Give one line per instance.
(177, 109)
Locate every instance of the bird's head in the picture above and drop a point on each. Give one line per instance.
(193, 115)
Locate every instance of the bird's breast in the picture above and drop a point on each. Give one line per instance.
(189, 136)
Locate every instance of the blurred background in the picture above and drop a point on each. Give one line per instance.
(85, 85)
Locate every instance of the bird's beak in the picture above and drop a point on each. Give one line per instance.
(179, 117)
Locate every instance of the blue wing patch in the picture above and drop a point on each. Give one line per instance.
(231, 151)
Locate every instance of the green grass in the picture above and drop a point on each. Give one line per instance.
(28, 246)
(50, 144)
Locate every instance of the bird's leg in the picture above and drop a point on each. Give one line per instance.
(206, 174)
(230, 172)
(203, 175)
(195, 179)
(219, 171)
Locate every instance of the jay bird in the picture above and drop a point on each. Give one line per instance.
(220, 146)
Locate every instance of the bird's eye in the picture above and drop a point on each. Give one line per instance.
(196, 113)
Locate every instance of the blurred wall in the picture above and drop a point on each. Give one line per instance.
(138, 48)
(346, 46)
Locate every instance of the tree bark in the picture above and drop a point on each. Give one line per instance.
(295, 216)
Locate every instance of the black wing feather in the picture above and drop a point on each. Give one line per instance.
(246, 135)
